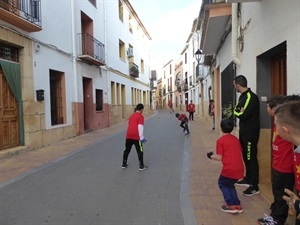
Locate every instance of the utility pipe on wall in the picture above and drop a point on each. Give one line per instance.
(234, 38)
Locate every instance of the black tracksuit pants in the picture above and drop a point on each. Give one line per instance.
(139, 150)
(279, 208)
(249, 145)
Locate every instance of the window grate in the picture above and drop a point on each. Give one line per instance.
(8, 52)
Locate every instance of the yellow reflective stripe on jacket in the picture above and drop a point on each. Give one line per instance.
(245, 106)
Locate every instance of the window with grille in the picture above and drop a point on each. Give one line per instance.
(99, 100)
(8, 52)
(57, 97)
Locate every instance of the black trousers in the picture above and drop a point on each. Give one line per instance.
(139, 150)
(279, 208)
(191, 115)
(249, 145)
(185, 124)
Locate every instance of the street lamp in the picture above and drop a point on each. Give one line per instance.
(198, 55)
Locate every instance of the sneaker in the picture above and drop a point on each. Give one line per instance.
(187, 133)
(250, 191)
(267, 220)
(124, 166)
(239, 208)
(143, 168)
(229, 208)
(243, 183)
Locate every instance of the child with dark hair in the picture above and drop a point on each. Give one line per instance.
(184, 122)
(211, 111)
(229, 152)
(135, 136)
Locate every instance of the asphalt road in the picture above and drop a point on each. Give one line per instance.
(89, 187)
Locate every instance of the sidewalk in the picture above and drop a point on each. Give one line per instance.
(205, 195)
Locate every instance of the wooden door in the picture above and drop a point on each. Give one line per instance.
(9, 116)
(279, 76)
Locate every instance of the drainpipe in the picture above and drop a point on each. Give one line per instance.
(234, 37)
(76, 100)
(107, 68)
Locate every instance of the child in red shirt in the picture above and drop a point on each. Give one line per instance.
(191, 110)
(184, 122)
(229, 152)
(282, 170)
(135, 136)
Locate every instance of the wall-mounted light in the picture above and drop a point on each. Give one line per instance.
(100, 71)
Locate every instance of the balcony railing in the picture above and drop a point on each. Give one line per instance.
(169, 88)
(133, 70)
(91, 50)
(185, 87)
(25, 14)
(153, 75)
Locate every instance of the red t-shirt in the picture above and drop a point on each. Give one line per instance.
(283, 154)
(132, 131)
(297, 170)
(181, 117)
(230, 148)
(191, 107)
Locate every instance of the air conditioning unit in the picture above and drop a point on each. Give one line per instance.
(130, 52)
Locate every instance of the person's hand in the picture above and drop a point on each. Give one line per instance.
(143, 140)
(209, 154)
(290, 200)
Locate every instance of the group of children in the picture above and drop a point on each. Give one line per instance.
(285, 110)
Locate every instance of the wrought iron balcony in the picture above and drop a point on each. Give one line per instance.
(91, 50)
(153, 75)
(184, 87)
(160, 92)
(133, 70)
(25, 14)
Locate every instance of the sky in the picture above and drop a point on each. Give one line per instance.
(169, 23)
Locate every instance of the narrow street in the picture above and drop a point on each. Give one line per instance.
(89, 187)
(80, 181)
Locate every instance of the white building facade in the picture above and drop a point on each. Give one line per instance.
(260, 40)
(84, 72)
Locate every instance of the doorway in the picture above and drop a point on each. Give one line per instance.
(9, 116)
(88, 107)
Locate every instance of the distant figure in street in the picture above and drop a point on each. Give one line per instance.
(229, 152)
(170, 104)
(134, 136)
(191, 110)
(211, 112)
(184, 122)
(247, 110)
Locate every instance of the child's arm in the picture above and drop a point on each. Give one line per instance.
(213, 156)
(216, 157)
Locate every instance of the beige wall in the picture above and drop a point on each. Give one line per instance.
(35, 133)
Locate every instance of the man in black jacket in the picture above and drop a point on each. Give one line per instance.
(247, 110)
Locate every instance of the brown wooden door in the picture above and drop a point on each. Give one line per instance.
(9, 116)
(279, 83)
